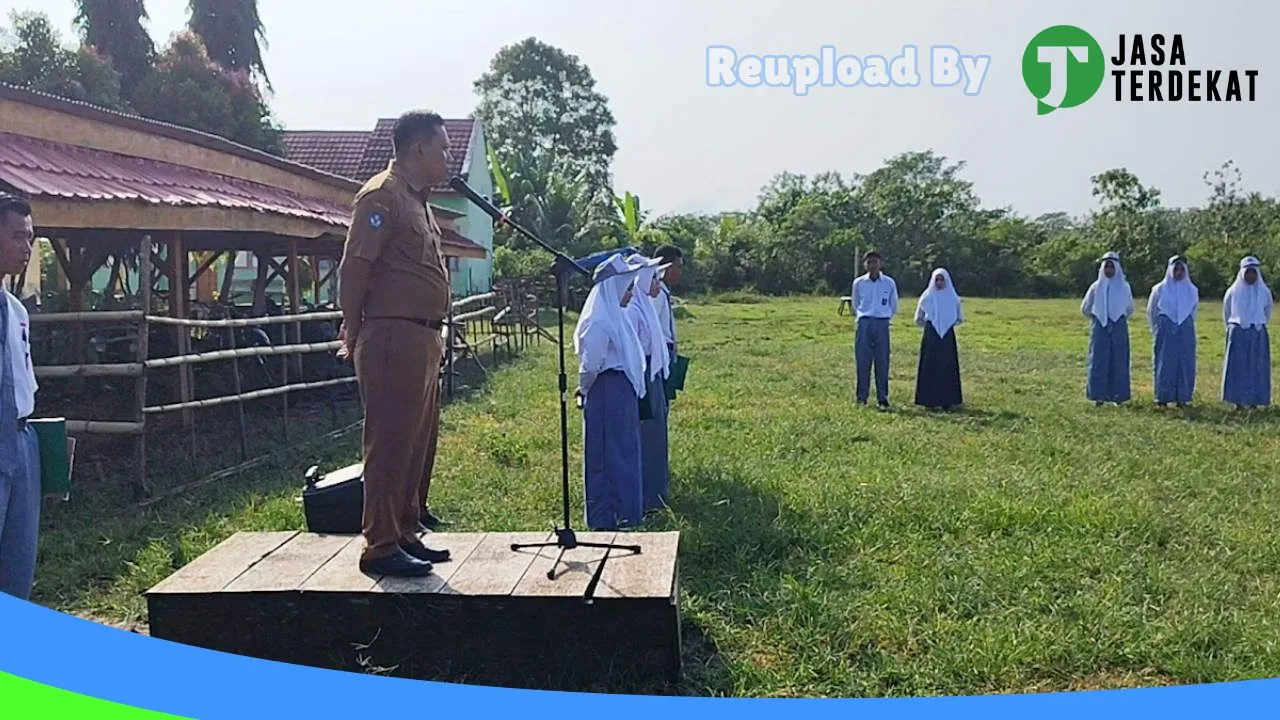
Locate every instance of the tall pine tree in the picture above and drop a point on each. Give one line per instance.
(232, 33)
(114, 28)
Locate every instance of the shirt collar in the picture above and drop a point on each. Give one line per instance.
(419, 188)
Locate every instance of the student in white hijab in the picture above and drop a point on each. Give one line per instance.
(1109, 305)
(612, 380)
(653, 408)
(938, 312)
(1171, 313)
(1246, 310)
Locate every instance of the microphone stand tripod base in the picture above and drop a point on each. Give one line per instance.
(567, 539)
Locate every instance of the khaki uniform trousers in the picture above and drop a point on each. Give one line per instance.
(398, 368)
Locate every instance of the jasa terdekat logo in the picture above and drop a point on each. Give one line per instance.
(1064, 67)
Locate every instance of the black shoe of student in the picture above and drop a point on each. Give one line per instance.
(883, 407)
(397, 564)
(421, 552)
(430, 521)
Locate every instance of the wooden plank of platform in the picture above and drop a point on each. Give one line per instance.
(649, 574)
(342, 572)
(290, 565)
(227, 561)
(494, 568)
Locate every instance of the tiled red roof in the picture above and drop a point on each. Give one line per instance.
(335, 151)
(42, 168)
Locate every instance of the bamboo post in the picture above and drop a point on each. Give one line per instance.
(260, 284)
(493, 332)
(141, 486)
(178, 308)
(315, 279)
(284, 397)
(295, 301)
(228, 278)
(235, 374)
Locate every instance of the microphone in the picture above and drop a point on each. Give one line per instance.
(460, 185)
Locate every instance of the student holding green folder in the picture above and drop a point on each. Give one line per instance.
(671, 256)
(20, 486)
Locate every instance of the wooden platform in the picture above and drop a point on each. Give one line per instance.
(489, 616)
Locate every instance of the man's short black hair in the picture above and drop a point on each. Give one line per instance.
(14, 204)
(871, 254)
(414, 126)
(669, 253)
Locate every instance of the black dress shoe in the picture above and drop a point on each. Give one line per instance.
(430, 521)
(397, 564)
(421, 552)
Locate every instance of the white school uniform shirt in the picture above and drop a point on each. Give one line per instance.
(18, 352)
(874, 298)
(666, 316)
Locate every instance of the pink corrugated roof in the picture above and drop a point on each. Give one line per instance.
(156, 127)
(43, 168)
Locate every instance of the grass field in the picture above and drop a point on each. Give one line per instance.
(1030, 542)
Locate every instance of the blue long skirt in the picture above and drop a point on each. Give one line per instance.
(1175, 360)
(1108, 362)
(1246, 375)
(653, 447)
(611, 454)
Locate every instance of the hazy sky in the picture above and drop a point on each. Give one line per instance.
(684, 146)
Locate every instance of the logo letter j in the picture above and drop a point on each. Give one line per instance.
(1056, 56)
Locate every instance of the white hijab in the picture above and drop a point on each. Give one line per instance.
(1178, 298)
(1250, 305)
(603, 323)
(1112, 297)
(940, 307)
(642, 312)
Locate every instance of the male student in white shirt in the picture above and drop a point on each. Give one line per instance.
(674, 258)
(19, 449)
(875, 302)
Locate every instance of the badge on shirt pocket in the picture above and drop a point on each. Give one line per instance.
(884, 301)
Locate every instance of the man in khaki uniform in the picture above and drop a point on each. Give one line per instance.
(394, 292)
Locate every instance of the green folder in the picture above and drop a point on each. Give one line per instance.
(56, 452)
(675, 382)
(646, 408)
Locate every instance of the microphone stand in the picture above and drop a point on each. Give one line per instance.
(562, 268)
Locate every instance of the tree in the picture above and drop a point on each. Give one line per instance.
(1233, 224)
(921, 214)
(38, 61)
(114, 28)
(537, 102)
(233, 35)
(189, 89)
(1131, 223)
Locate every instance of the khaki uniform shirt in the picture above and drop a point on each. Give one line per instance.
(393, 228)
